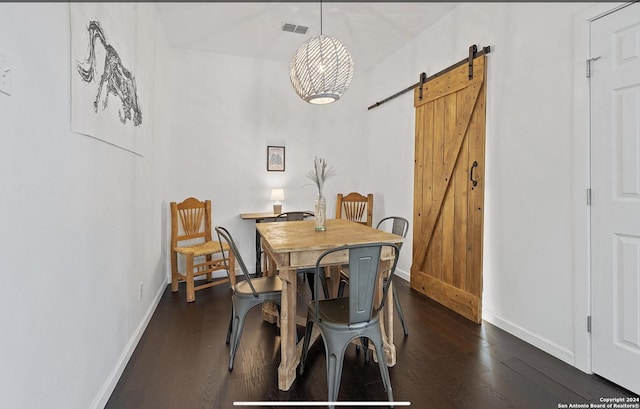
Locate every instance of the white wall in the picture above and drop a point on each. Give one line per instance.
(227, 109)
(528, 242)
(81, 221)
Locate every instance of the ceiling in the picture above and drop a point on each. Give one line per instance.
(370, 31)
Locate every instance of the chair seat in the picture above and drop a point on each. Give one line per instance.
(263, 285)
(201, 249)
(334, 313)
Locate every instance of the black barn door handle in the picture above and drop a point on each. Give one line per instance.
(475, 165)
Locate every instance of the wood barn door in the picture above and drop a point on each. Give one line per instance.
(449, 189)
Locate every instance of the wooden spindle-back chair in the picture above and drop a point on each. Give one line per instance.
(355, 207)
(191, 237)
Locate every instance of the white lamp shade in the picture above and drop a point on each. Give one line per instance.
(277, 194)
(321, 71)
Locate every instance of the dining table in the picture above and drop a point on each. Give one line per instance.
(294, 245)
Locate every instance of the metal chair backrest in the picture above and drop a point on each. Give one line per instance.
(293, 216)
(364, 261)
(399, 225)
(223, 234)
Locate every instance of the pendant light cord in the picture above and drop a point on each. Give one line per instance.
(320, 17)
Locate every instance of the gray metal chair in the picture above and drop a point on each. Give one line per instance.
(307, 273)
(341, 320)
(293, 216)
(245, 294)
(399, 226)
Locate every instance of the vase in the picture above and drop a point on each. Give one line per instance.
(321, 213)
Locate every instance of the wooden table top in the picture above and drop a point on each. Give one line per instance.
(285, 237)
(262, 215)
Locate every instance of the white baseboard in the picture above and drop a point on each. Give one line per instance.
(403, 274)
(110, 383)
(524, 334)
(542, 343)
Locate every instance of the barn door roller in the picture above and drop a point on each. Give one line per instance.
(473, 53)
(473, 50)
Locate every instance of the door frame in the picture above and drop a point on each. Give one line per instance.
(581, 181)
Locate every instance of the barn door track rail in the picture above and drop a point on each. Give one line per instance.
(473, 53)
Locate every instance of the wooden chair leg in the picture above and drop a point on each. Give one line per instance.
(174, 271)
(334, 274)
(209, 275)
(191, 293)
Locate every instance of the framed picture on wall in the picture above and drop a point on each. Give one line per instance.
(275, 158)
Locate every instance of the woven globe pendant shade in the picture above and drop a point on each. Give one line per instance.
(321, 71)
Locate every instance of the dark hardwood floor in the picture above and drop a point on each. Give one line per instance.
(445, 362)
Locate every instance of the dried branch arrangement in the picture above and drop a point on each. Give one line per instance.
(320, 173)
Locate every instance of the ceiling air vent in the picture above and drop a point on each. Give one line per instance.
(293, 28)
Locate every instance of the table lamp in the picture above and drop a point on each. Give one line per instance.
(277, 195)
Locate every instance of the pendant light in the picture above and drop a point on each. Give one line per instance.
(322, 69)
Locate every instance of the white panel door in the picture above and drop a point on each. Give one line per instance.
(615, 183)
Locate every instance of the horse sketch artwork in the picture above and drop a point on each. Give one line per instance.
(116, 79)
(110, 42)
